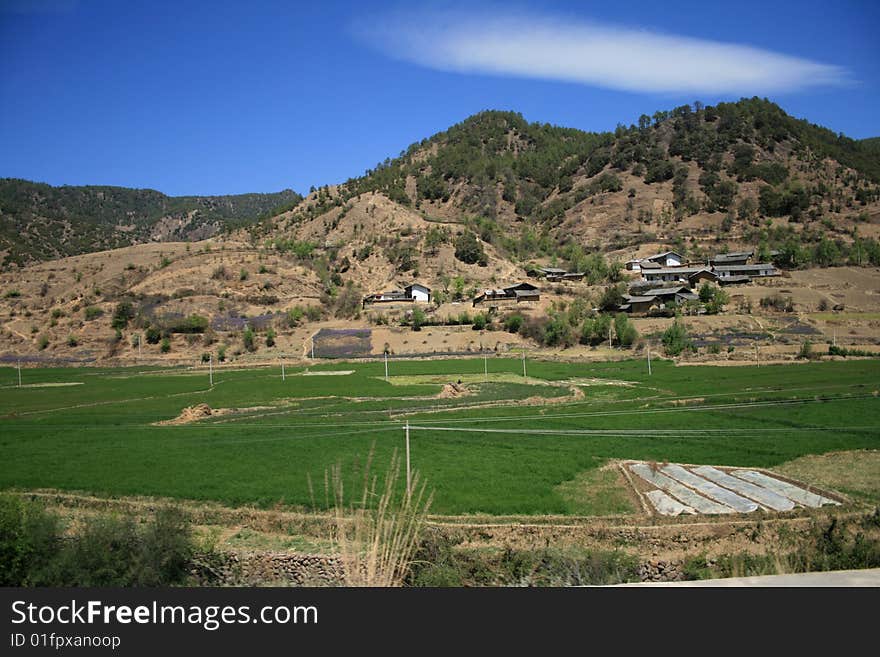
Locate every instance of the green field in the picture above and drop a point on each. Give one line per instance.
(489, 451)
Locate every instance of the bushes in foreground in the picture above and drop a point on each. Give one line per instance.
(108, 551)
(440, 561)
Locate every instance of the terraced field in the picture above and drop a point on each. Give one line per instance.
(508, 445)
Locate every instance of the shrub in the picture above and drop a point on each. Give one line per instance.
(243, 275)
(221, 353)
(206, 357)
(29, 539)
(778, 303)
(557, 332)
(706, 292)
(270, 338)
(675, 339)
(314, 313)
(513, 323)
(152, 335)
(469, 250)
(349, 302)
(248, 339)
(112, 551)
(417, 320)
(806, 350)
(192, 324)
(611, 298)
(479, 322)
(93, 312)
(220, 273)
(72, 341)
(165, 346)
(624, 330)
(294, 316)
(122, 315)
(42, 342)
(595, 330)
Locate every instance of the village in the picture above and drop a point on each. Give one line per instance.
(661, 282)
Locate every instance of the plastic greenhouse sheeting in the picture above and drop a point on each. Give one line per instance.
(677, 490)
(794, 493)
(666, 505)
(710, 489)
(763, 496)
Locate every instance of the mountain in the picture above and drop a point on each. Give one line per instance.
(473, 207)
(40, 222)
(696, 178)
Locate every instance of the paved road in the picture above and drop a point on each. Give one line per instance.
(835, 578)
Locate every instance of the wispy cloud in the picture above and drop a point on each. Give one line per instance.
(547, 47)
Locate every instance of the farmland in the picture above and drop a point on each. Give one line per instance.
(508, 445)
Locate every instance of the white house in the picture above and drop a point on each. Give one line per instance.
(418, 292)
(666, 259)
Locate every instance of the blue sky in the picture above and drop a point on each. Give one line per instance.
(231, 97)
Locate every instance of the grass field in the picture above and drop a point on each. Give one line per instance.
(513, 445)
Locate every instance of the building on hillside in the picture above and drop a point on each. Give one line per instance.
(670, 274)
(667, 294)
(666, 259)
(638, 304)
(735, 280)
(415, 292)
(418, 292)
(731, 258)
(513, 293)
(554, 274)
(702, 276)
(757, 270)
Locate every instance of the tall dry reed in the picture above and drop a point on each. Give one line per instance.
(377, 532)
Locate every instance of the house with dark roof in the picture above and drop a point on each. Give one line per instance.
(756, 270)
(731, 258)
(554, 274)
(702, 276)
(415, 292)
(670, 274)
(638, 303)
(512, 293)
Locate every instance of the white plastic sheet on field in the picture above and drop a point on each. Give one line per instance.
(666, 505)
(763, 496)
(677, 490)
(709, 489)
(794, 493)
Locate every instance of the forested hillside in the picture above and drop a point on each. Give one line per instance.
(39, 221)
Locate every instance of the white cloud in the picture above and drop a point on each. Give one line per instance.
(534, 46)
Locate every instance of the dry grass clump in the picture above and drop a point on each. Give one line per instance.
(378, 531)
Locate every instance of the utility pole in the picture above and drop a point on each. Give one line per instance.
(649, 358)
(386, 366)
(211, 369)
(524, 363)
(408, 471)
(313, 348)
(19, 373)
(485, 367)
(282, 370)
